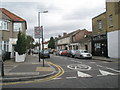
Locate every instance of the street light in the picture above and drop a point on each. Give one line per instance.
(42, 35)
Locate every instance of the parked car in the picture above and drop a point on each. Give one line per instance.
(44, 54)
(83, 54)
(71, 53)
(60, 52)
(57, 52)
(64, 53)
(52, 51)
(35, 51)
(3, 55)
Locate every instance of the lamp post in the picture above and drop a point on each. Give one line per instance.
(42, 34)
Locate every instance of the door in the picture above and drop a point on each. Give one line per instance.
(86, 47)
(13, 51)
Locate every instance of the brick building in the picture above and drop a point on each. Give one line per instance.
(106, 28)
(10, 25)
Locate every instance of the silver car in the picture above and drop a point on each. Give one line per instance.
(83, 54)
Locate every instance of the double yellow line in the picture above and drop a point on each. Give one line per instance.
(60, 72)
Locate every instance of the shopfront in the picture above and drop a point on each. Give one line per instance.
(99, 45)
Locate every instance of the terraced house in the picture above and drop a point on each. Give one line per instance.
(10, 25)
(106, 28)
(79, 39)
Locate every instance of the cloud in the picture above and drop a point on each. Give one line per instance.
(63, 15)
(83, 13)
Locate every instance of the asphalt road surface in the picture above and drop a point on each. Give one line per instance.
(79, 73)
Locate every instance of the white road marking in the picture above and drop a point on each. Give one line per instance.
(105, 62)
(81, 67)
(57, 78)
(105, 73)
(71, 77)
(92, 62)
(81, 74)
(109, 68)
(76, 61)
(113, 69)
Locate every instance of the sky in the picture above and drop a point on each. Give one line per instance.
(63, 15)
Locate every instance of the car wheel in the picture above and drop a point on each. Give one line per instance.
(71, 56)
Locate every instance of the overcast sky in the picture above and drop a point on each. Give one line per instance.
(63, 15)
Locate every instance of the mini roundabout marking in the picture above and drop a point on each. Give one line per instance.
(81, 67)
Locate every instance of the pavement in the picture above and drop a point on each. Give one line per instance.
(33, 69)
(107, 59)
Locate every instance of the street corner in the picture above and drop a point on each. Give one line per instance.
(50, 75)
(45, 69)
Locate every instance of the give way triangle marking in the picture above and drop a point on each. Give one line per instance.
(81, 74)
(105, 73)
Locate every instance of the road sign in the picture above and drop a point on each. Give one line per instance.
(38, 32)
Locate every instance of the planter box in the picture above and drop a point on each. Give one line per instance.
(19, 58)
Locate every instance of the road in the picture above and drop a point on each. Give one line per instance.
(78, 73)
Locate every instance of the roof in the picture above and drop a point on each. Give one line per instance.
(69, 34)
(86, 32)
(11, 15)
(98, 15)
(46, 42)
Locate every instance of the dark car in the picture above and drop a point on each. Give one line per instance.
(44, 54)
(71, 53)
(3, 55)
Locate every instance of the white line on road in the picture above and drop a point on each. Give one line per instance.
(92, 62)
(71, 77)
(109, 68)
(81, 74)
(76, 61)
(57, 78)
(105, 62)
(105, 73)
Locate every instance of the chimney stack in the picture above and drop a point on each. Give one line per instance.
(64, 34)
(59, 36)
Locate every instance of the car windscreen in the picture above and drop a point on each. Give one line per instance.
(84, 51)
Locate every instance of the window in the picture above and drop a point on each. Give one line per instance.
(17, 26)
(6, 46)
(111, 20)
(4, 25)
(0, 47)
(100, 24)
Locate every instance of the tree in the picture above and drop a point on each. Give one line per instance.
(51, 43)
(21, 45)
(30, 41)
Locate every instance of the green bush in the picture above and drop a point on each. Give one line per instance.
(21, 45)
